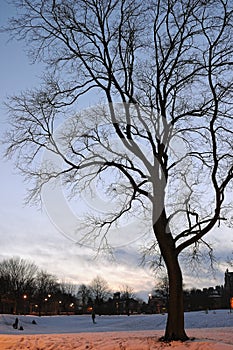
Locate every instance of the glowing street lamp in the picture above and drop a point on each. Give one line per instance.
(24, 304)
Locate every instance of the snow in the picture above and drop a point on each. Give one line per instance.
(213, 331)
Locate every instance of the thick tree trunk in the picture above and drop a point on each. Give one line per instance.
(175, 321)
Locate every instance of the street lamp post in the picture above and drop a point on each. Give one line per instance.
(24, 303)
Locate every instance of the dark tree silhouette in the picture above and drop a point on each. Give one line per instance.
(84, 295)
(18, 279)
(168, 65)
(46, 284)
(99, 289)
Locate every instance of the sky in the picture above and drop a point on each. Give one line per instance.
(34, 233)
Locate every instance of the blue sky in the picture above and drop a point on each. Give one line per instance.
(28, 232)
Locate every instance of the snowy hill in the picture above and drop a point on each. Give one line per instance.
(212, 331)
(83, 323)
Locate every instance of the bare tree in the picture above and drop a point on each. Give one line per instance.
(45, 288)
(67, 288)
(99, 290)
(126, 292)
(17, 280)
(161, 289)
(168, 65)
(84, 294)
(67, 296)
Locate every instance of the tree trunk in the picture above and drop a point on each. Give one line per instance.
(175, 321)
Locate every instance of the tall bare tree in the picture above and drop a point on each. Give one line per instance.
(18, 278)
(168, 65)
(46, 284)
(84, 295)
(99, 289)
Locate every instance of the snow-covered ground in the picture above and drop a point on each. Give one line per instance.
(212, 331)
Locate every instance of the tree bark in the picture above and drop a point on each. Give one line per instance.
(175, 320)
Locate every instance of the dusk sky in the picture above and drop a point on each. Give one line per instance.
(30, 233)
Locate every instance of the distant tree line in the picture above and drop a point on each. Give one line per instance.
(98, 296)
(211, 298)
(24, 288)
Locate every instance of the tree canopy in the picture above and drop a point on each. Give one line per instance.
(163, 70)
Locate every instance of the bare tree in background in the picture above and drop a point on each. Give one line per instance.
(67, 291)
(168, 65)
(84, 295)
(18, 278)
(99, 290)
(67, 288)
(161, 289)
(46, 285)
(127, 292)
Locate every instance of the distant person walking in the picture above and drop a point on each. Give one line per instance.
(93, 316)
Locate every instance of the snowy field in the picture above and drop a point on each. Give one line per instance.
(213, 331)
